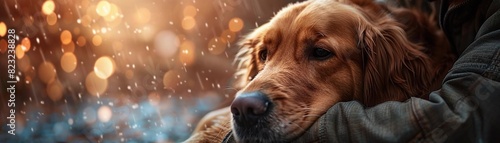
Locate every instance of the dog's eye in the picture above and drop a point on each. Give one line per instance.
(263, 55)
(320, 54)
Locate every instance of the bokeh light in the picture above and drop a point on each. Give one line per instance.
(95, 85)
(48, 7)
(68, 62)
(55, 90)
(114, 13)
(65, 37)
(81, 41)
(104, 113)
(19, 52)
(103, 8)
(51, 19)
(189, 11)
(115, 16)
(236, 24)
(26, 44)
(46, 72)
(3, 29)
(104, 67)
(188, 23)
(167, 43)
(97, 40)
(171, 78)
(129, 74)
(85, 20)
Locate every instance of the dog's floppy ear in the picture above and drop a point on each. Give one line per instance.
(394, 68)
(246, 61)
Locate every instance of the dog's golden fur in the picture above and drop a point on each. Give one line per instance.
(380, 53)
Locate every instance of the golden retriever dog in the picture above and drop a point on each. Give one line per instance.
(316, 53)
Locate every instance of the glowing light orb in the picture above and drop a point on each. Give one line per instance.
(95, 85)
(46, 72)
(55, 90)
(81, 41)
(48, 7)
(96, 40)
(65, 37)
(19, 52)
(51, 19)
(189, 11)
(235, 24)
(104, 113)
(114, 13)
(103, 8)
(170, 79)
(3, 29)
(26, 44)
(68, 62)
(188, 23)
(85, 20)
(104, 67)
(167, 43)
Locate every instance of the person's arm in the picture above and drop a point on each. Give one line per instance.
(466, 107)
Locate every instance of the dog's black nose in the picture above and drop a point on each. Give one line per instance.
(250, 106)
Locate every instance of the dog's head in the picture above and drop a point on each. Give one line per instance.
(314, 54)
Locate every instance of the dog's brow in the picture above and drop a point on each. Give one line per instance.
(272, 38)
(315, 37)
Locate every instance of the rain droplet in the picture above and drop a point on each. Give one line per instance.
(135, 106)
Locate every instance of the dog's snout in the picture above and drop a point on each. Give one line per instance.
(250, 106)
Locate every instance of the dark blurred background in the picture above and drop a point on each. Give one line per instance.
(121, 70)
